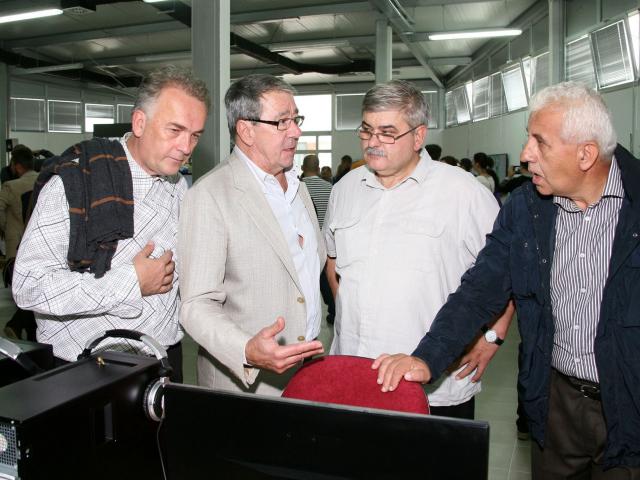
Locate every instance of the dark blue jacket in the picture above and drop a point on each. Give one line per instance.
(516, 262)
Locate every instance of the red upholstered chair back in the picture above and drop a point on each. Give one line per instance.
(350, 380)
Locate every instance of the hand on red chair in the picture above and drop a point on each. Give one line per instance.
(393, 368)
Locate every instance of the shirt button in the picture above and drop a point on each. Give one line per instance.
(300, 300)
(583, 290)
(582, 255)
(301, 338)
(577, 360)
(587, 219)
(576, 327)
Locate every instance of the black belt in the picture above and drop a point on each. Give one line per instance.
(587, 388)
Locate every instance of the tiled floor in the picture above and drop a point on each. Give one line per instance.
(508, 456)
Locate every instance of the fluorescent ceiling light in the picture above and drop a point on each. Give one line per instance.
(481, 33)
(153, 1)
(29, 15)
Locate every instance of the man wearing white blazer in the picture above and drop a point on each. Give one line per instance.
(251, 251)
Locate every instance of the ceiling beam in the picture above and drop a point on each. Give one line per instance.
(402, 24)
(88, 35)
(21, 61)
(277, 14)
(433, 3)
(450, 60)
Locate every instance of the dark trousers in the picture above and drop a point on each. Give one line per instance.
(464, 410)
(22, 320)
(174, 355)
(327, 297)
(574, 438)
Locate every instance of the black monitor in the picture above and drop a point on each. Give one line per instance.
(111, 130)
(219, 435)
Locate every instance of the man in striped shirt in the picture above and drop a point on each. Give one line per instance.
(319, 190)
(566, 247)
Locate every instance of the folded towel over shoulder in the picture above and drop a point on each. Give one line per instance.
(97, 183)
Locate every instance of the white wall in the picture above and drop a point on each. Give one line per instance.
(621, 103)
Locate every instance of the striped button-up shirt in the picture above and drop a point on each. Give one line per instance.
(584, 240)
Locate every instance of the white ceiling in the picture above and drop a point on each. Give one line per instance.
(119, 42)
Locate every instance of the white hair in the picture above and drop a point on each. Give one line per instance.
(586, 117)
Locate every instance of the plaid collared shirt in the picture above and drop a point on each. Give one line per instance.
(71, 307)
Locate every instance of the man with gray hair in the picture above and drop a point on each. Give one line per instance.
(566, 247)
(98, 253)
(400, 231)
(250, 251)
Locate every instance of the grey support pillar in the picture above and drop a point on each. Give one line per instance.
(383, 51)
(556, 41)
(4, 112)
(210, 51)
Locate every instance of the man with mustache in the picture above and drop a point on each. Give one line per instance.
(250, 250)
(98, 253)
(566, 247)
(400, 231)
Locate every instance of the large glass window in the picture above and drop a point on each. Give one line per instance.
(65, 116)
(450, 110)
(634, 31)
(514, 90)
(526, 70)
(612, 55)
(481, 99)
(348, 111)
(319, 145)
(461, 103)
(498, 105)
(27, 115)
(317, 113)
(579, 63)
(316, 110)
(124, 112)
(431, 98)
(540, 73)
(96, 113)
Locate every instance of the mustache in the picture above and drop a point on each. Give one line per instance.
(374, 151)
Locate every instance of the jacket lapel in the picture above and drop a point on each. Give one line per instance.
(252, 200)
(543, 211)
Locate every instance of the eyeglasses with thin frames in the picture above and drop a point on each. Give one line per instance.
(365, 134)
(282, 124)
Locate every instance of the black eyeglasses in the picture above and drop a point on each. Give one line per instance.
(365, 134)
(282, 124)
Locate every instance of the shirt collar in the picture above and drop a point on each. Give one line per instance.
(136, 170)
(418, 175)
(612, 188)
(263, 177)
